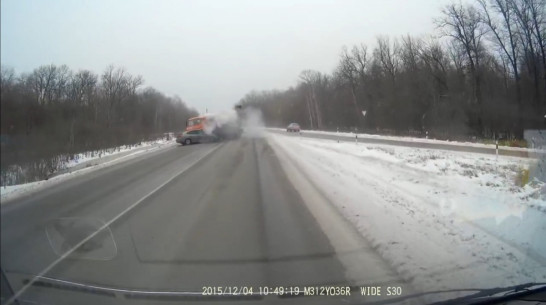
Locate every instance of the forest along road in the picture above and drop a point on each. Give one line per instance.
(222, 214)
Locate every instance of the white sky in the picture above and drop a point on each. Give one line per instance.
(210, 53)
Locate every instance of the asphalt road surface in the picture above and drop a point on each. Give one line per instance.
(175, 221)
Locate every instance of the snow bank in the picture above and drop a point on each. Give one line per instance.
(93, 155)
(83, 163)
(414, 140)
(442, 219)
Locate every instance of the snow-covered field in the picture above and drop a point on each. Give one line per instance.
(442, 219)
(84, 163)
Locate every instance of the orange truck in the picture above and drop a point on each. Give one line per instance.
(209, 124)
(203, 122)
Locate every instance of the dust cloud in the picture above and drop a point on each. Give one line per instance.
(252, 123)
(221, 119)
(249, 119)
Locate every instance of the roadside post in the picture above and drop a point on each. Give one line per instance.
(537, 138)
(356, 128)
(495, 136)
(497, 155)
(497, 148)
(337, 134)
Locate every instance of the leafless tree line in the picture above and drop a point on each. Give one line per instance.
(482, 74)
(54, 110)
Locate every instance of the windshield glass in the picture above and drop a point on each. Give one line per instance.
(194, 122)
(305, 152)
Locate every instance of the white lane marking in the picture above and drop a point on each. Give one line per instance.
(107, 224)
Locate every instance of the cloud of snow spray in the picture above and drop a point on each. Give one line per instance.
(220, 119)
(250, 119)
(252, 123)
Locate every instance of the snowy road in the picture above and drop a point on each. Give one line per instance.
(279, 210)
(180, 219)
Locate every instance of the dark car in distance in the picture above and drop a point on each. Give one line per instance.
(293, 127)
(195, 136)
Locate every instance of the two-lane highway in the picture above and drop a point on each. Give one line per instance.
(180, 219)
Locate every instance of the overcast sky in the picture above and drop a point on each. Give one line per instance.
(210, 53)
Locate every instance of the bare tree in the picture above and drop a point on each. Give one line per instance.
(41, 81)
(504, 35)
(52, 107)
(464, 25)
(388, 56)
(7, 78)
(81, 92)
(350, 70)
(523, 10)
(313, 81)
(436, 62)
(360, 61)
(537, 10)
(117, 86)
(410, 52)
(457, 87)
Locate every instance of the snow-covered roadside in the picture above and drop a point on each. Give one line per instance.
(90, 156)
(444, 220)
(412, 139)
(84, 163)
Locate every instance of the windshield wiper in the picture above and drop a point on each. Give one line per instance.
(487, 296)
(527, 292)
(47, 282)
(481, 296)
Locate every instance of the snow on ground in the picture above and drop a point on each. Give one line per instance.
(412, 139)
(442, 219)
(93, 155)
(83, 163)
